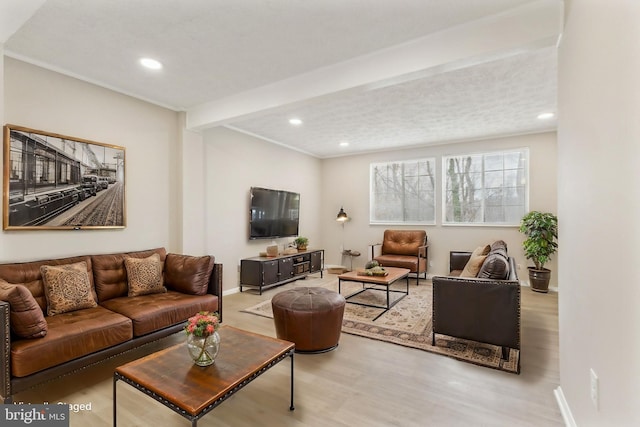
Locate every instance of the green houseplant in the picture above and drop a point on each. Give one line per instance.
(301, 243)
(541, 229)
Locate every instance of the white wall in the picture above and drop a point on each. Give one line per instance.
(48, 101)
(234, 163)
(345, 181)
(599, 208)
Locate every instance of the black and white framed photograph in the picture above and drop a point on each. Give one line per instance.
(54, 181)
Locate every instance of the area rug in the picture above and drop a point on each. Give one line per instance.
(408, 323)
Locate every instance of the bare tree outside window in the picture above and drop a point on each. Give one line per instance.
(488, 188)
(403, 192)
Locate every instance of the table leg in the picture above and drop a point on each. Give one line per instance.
(291, 408)
(388, 299)
(115, 380)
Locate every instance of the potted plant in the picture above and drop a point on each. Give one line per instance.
(301, 243)
(541, 230)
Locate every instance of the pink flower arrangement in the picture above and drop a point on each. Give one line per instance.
(203, 324)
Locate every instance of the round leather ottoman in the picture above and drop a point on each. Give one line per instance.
(309, 317)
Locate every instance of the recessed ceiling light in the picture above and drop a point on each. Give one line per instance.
(150, 63)
(344, 143)
(545, 116)
(295, 121)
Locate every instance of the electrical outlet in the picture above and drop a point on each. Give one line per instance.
(594, 388)
(430, 263)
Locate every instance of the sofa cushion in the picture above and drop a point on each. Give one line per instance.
(188, 274)
(144, 275)
(496, 265)
(67, 288)
(152, 312)
(110, 273)
(29, 275)
(71, 335)
(27, 318)
(472, 267)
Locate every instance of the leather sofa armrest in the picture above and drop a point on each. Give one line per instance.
(482, 310)
(215, 286)
(458, 259)
(5, 353)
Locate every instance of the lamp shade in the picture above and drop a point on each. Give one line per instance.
(342, 216)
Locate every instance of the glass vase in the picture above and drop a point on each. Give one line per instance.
(203, 350)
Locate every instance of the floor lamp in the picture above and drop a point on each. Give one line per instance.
(342, 217)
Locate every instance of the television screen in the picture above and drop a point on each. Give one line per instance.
(273, 213)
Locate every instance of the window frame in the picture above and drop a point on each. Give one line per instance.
(444, 181)
(434, 174)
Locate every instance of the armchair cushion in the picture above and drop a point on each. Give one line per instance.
(403, 242)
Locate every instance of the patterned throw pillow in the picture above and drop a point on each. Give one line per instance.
(27, 318)
(67, 288)
(144, 275)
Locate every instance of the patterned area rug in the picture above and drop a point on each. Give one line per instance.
(408, 323)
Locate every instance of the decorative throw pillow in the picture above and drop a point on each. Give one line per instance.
(144, 275)
(27, 318)
(472, 267)
(67, 288)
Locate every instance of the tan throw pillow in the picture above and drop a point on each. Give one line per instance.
(67, 288)
(27, 318)
(144, 275)
(472, 267)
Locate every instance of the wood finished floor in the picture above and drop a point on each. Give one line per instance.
(362, 383)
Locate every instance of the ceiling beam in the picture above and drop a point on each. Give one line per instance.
(532, 26)
(13, 15)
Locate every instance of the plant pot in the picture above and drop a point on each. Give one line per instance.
(302, 248)
(539, 279)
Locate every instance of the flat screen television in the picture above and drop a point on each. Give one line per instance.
(273, 213)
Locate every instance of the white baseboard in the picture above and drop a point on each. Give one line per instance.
(564, 408)
(231, 291)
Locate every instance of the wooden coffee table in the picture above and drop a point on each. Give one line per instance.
(170, 376)
(394, 275)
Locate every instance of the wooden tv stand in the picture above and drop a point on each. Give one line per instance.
(266, 272)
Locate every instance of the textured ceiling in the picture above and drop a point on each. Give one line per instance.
(215, 50)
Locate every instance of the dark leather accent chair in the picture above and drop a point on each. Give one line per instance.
(477, 309)
(404, 249)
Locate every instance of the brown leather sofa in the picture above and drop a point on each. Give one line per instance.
(69, 341)
(479, 309)
(404, 249)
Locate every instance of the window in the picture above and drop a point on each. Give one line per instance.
(403, 192)
(489, 188)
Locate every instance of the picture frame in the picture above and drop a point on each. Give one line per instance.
(59, 182)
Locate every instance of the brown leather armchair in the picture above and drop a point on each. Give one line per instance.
(477, 309)
(404, 249)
